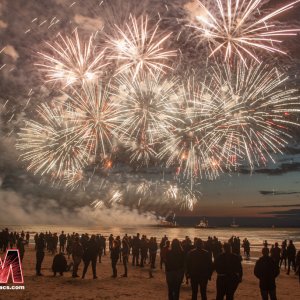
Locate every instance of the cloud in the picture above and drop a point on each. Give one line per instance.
(277, 193)
(291, 213)
(272, 206)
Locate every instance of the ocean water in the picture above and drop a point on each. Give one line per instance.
(256, 236)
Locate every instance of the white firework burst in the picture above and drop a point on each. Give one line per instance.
(252, 112)
(235, 27)
(71, 61)
(148, 112)
(139, 48)
(52, 146)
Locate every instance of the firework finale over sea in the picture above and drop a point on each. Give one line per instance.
(157, 106)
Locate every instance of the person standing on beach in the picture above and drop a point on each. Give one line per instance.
(136, 244)
(199, 269)
(161, 246)
(298, 264)
(27, 238)
(275, 254)
(40, 253)
(77, 253)
(114, 256)
(62, 241)
(229, 273)
(266, 270)
(174, 269)
(283, 255)
(152, 251)
(125, 254)
(110, 241)
(90, 256)
(291, 256)
(20, 247)
(163, 253)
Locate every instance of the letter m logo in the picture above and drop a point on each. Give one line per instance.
(11, 266)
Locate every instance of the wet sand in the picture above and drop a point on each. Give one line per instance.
(137, 286)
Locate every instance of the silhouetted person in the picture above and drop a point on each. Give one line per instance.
(5, 239)
(20, 247)
(283, 254)
(153, 251)
(99, 247)
(199, 268)
(54, 243)
(144, 250)
(59, 264)
(125, 254)
(40, 253)
(114, 256)
(110, 241)
(77, 253)
(27, 238)
(246, 246)
(298, 264)
(136, 244)
(174, 269)
(62, 242)
(229, 273)
(275, 254)
(163, 253)
(11, 240)
(161, 246)
(90, 256)
(266, 270)
(291, 256)
(187, 247)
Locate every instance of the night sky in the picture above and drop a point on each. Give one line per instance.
(271, 193)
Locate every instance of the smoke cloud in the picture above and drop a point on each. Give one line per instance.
(18, 210)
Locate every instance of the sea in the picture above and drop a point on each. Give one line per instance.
(256, 236)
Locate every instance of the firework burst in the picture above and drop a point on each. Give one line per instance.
(71, 61)
(188, 144)
(183, 195)
(97, 114)
(236, 27)
(52, 147)
(252, 112)
(148, 112)
(138, 48)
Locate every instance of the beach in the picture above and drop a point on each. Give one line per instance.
(137, 285)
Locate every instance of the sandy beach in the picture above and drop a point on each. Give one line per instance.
(137, 286)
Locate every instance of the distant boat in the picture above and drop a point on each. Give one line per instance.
(204, 224)
(233, 224)
(168, 221)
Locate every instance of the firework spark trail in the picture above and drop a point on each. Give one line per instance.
(186, 143)
(232, 27)
(252, 112)
(51, 147)
(183, 195)
(148, 112)
(138, 48)
(98, 115)
(72, 62)
(116, 197)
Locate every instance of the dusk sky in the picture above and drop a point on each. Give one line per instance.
(268, 191)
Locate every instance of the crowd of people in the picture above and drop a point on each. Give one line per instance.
(192, 261)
